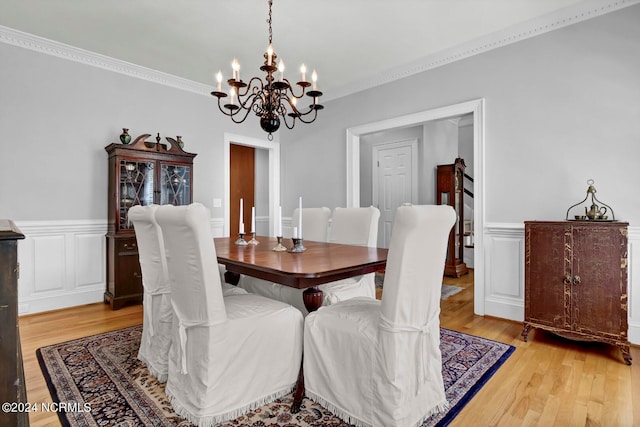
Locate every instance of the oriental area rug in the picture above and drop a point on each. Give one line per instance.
(101, 381)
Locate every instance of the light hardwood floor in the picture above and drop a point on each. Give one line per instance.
(547, 381)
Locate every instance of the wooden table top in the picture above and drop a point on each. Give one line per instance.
(320, 263)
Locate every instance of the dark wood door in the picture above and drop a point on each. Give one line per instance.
(597, 293)
(242, 185)
(546, 266)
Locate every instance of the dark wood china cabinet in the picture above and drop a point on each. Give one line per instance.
(450, 191)
(141, 173)
(576, 281)
(13, 391)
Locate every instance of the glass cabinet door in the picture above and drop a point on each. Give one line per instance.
(136, 187)
(175, 184)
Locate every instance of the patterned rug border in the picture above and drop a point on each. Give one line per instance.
(47, 377)
(454, 410)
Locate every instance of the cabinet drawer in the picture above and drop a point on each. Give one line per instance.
(127, 246)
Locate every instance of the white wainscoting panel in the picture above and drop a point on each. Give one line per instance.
(49, 254)
(89, 248)
(62, 264)
(504, 271)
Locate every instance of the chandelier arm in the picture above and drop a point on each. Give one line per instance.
(251, 86)
(290, 90)
(286, 123)
(249, 101)
(307, 121)
(234, 114)
(235, 119)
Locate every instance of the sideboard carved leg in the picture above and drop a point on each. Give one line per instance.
(626, 354)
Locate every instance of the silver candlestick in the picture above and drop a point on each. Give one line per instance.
(253, 240)
(279, 247)
(298, 247)
(241, 241)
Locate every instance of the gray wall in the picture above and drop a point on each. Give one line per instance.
(561, 108)
(57, 116)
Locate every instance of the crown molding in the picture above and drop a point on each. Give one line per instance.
(559, 19)
(61, 50)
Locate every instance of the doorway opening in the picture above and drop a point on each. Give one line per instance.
(273, 173)
(476, 109)
(394, 182)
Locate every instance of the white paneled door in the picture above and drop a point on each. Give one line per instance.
(395, 181)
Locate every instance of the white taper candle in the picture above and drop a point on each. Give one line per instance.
(253, 219)
(299, 218)
(241, 223)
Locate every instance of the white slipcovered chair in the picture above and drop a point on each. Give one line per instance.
(315, 223)
(378, 363)
(349, 226)
(157, 311)
(229, 354)
(359, 227)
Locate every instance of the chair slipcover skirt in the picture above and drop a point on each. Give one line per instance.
(228, 371)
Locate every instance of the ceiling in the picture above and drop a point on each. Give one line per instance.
(346, 41)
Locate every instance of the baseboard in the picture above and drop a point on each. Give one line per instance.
(58, 301)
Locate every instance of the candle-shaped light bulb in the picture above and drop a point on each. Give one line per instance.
(269, 54)
(232, 93)
(219, 79)
(314, 78)
(281, 69)
(303, 71)
(235, 66)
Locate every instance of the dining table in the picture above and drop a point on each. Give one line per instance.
(319, 263)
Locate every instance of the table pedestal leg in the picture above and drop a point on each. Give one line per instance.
(231, 278)
(312, 298)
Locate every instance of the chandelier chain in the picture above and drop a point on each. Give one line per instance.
(269, 21)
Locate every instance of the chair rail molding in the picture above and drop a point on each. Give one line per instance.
(62, 264)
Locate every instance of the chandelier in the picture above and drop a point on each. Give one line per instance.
(273, 99)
